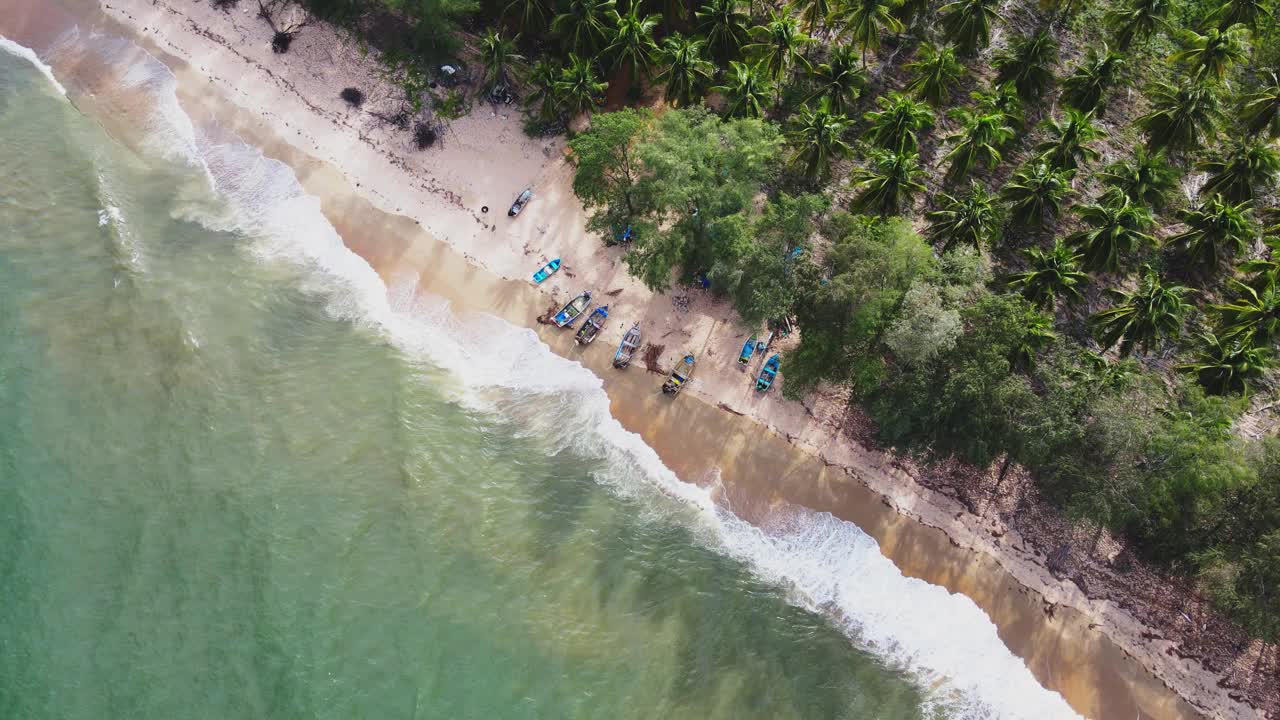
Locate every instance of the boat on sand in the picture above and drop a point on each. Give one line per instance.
(572, 310)
(768, 373)
(547, 271)
(680, 376)
(591, 328)
(627, 348)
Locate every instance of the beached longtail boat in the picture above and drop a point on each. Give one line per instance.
(591, 328)
(768, 373)
(748, 349)
(547, 271)
(570, 312)
(680, 376)
(627, 348)
(521, 200)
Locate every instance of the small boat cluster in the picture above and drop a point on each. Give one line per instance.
(683, 371)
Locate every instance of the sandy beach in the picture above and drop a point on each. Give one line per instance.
(435, 221)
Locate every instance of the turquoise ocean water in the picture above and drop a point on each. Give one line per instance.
(239, 479)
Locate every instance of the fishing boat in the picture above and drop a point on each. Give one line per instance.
(680, 376)
(764, 344)
(748, 349)
(591, 328)
(570, 312)
(768, 373)
(547, 271)
(521, 200)
(627, 348)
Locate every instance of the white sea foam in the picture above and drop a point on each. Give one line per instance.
(831, 566)
(29, 55)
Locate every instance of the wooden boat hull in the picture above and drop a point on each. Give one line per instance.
(591, 328)
(748, 349)
(627, 348)
(547, 271)
(680, 376)
(768, 373)
(572, 310)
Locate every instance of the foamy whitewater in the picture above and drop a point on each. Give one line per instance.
(825, 565)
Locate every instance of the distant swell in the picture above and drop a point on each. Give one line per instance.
(825, 564)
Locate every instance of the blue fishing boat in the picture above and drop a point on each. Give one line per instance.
(571, 311)
(680, 376)
(627, 348)
(591, 328)
(768, 373)
(748, 349)
(547, 271)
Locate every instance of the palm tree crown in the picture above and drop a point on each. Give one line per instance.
(746, 89)
(578, 87)
(888, 185)
(935, 73)
(1210, 54)
(1068, 143)
(1243, 12)
(724, 25)
(1028, 64)
(1214, 230)
(1253, 317)
(543, 97)
(1136, 21)
(1227, 366)
(1116, 228)
(686, 73)
(865, 20)
(969, 219)
(978, 141)
(1245, 168)
(1146, 178)
(778, 45)
(1035, 194)
(530, 15)
(896, 124)
(1260, 110)
(633, 42)
(1145, 317)
(818, 137)
(584, 25)
(1180, 116)
(840, 79)
(1052, 274)
(1087, 85)
(967, 24)
(1002, 100)
(498, 54)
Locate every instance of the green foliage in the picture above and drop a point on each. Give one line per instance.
(1147, 178)
(969, 219)
(1223, 367)
(746, 90)
(1035, 194)
(1253, 316)
(543, 99)
(498, 54)
(979, 140)
(887, 186)
(1138, 20)
(1215, 230)
(925, 326)
(687, 72)
(967, 24)
(1245, 169)
(1052, 274)
(584, 25)
(1028, 63)
(813, 14)
(724, 25)
(578, 88)
(1210, 54)
(866, 20)
(1260, 110)
(1000, 100)
(433, 25)
(1180, 115)
(898, 122)
(763, 279)
(1086, 87)
(1242, 12)
(817, 139)
(529, 16)
(633, 42)
(1067, 146)
(1145, 317)
(1116, 228)
(935, 74)
(778, 45)
(840, 80)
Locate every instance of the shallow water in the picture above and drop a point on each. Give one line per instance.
(240, 479)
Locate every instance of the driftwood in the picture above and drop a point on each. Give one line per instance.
(282, 33)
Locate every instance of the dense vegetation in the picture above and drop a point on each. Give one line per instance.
(1033, 253)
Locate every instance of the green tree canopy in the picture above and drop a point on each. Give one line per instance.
(1145, 317)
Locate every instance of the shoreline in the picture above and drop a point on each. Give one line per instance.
(765, 451)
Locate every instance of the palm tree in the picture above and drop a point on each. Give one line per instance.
(687, 72)
(818, 139)
(967, 24)
(1147, 178)
(1210, 54)
(778, 45)
(1137, 20)
(935, 73)
(813, 14)
(1116, 227)
(1000, 99)
(633, 43)
(497, 54)
(1087, 85)
(1225, 367)
(724, 25)
(1052, 274)
(1264, 270)
(1037, 334)
(1215, 229)
(1068, 144)
(1246, 168)
(579, 88)
(1242, 12)
(865, 20)
(584, 25)
(969, 219)
(1028, 64)
(1260, 110)
(1180, 116)
(840, 79)
(1253, 317)
(746, 89)
(1035, 194)
(910, 11)
(530, 15)
(895, 125)
(888, 185)
(543, 97)
(1143, 318)
(978, 141)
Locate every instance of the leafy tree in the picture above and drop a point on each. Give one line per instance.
(887, 186)
(433, 24)
(1257, 603)
(1051, 274)
(866, 20)
(1144, 318)
(898, 121)
(608, 171)
(1223, 367)
(978, 141)
(1067, 146)
(724, 25)
(1037, 334)
(633, 42)
(967, 24)
(1238, 12)
(1136, 21)
(1087, 85)
(765, 258)
(1115, 227)
(1254, 315)
(1209, 55)
(1146, 178)
(1035, 194)
(817, 136)
(1215, 229)
(584, 25)
(746, 89)
(578, 87)
(1260, 110)
(778, 45)
(530, 16)
(687, 72)
(936, 73)
(498, 54)
(1245, 169)
(969, 219)
(1180, 116)
(1028, 64)
(840, 79)
(1002, 100)
(925, 327)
